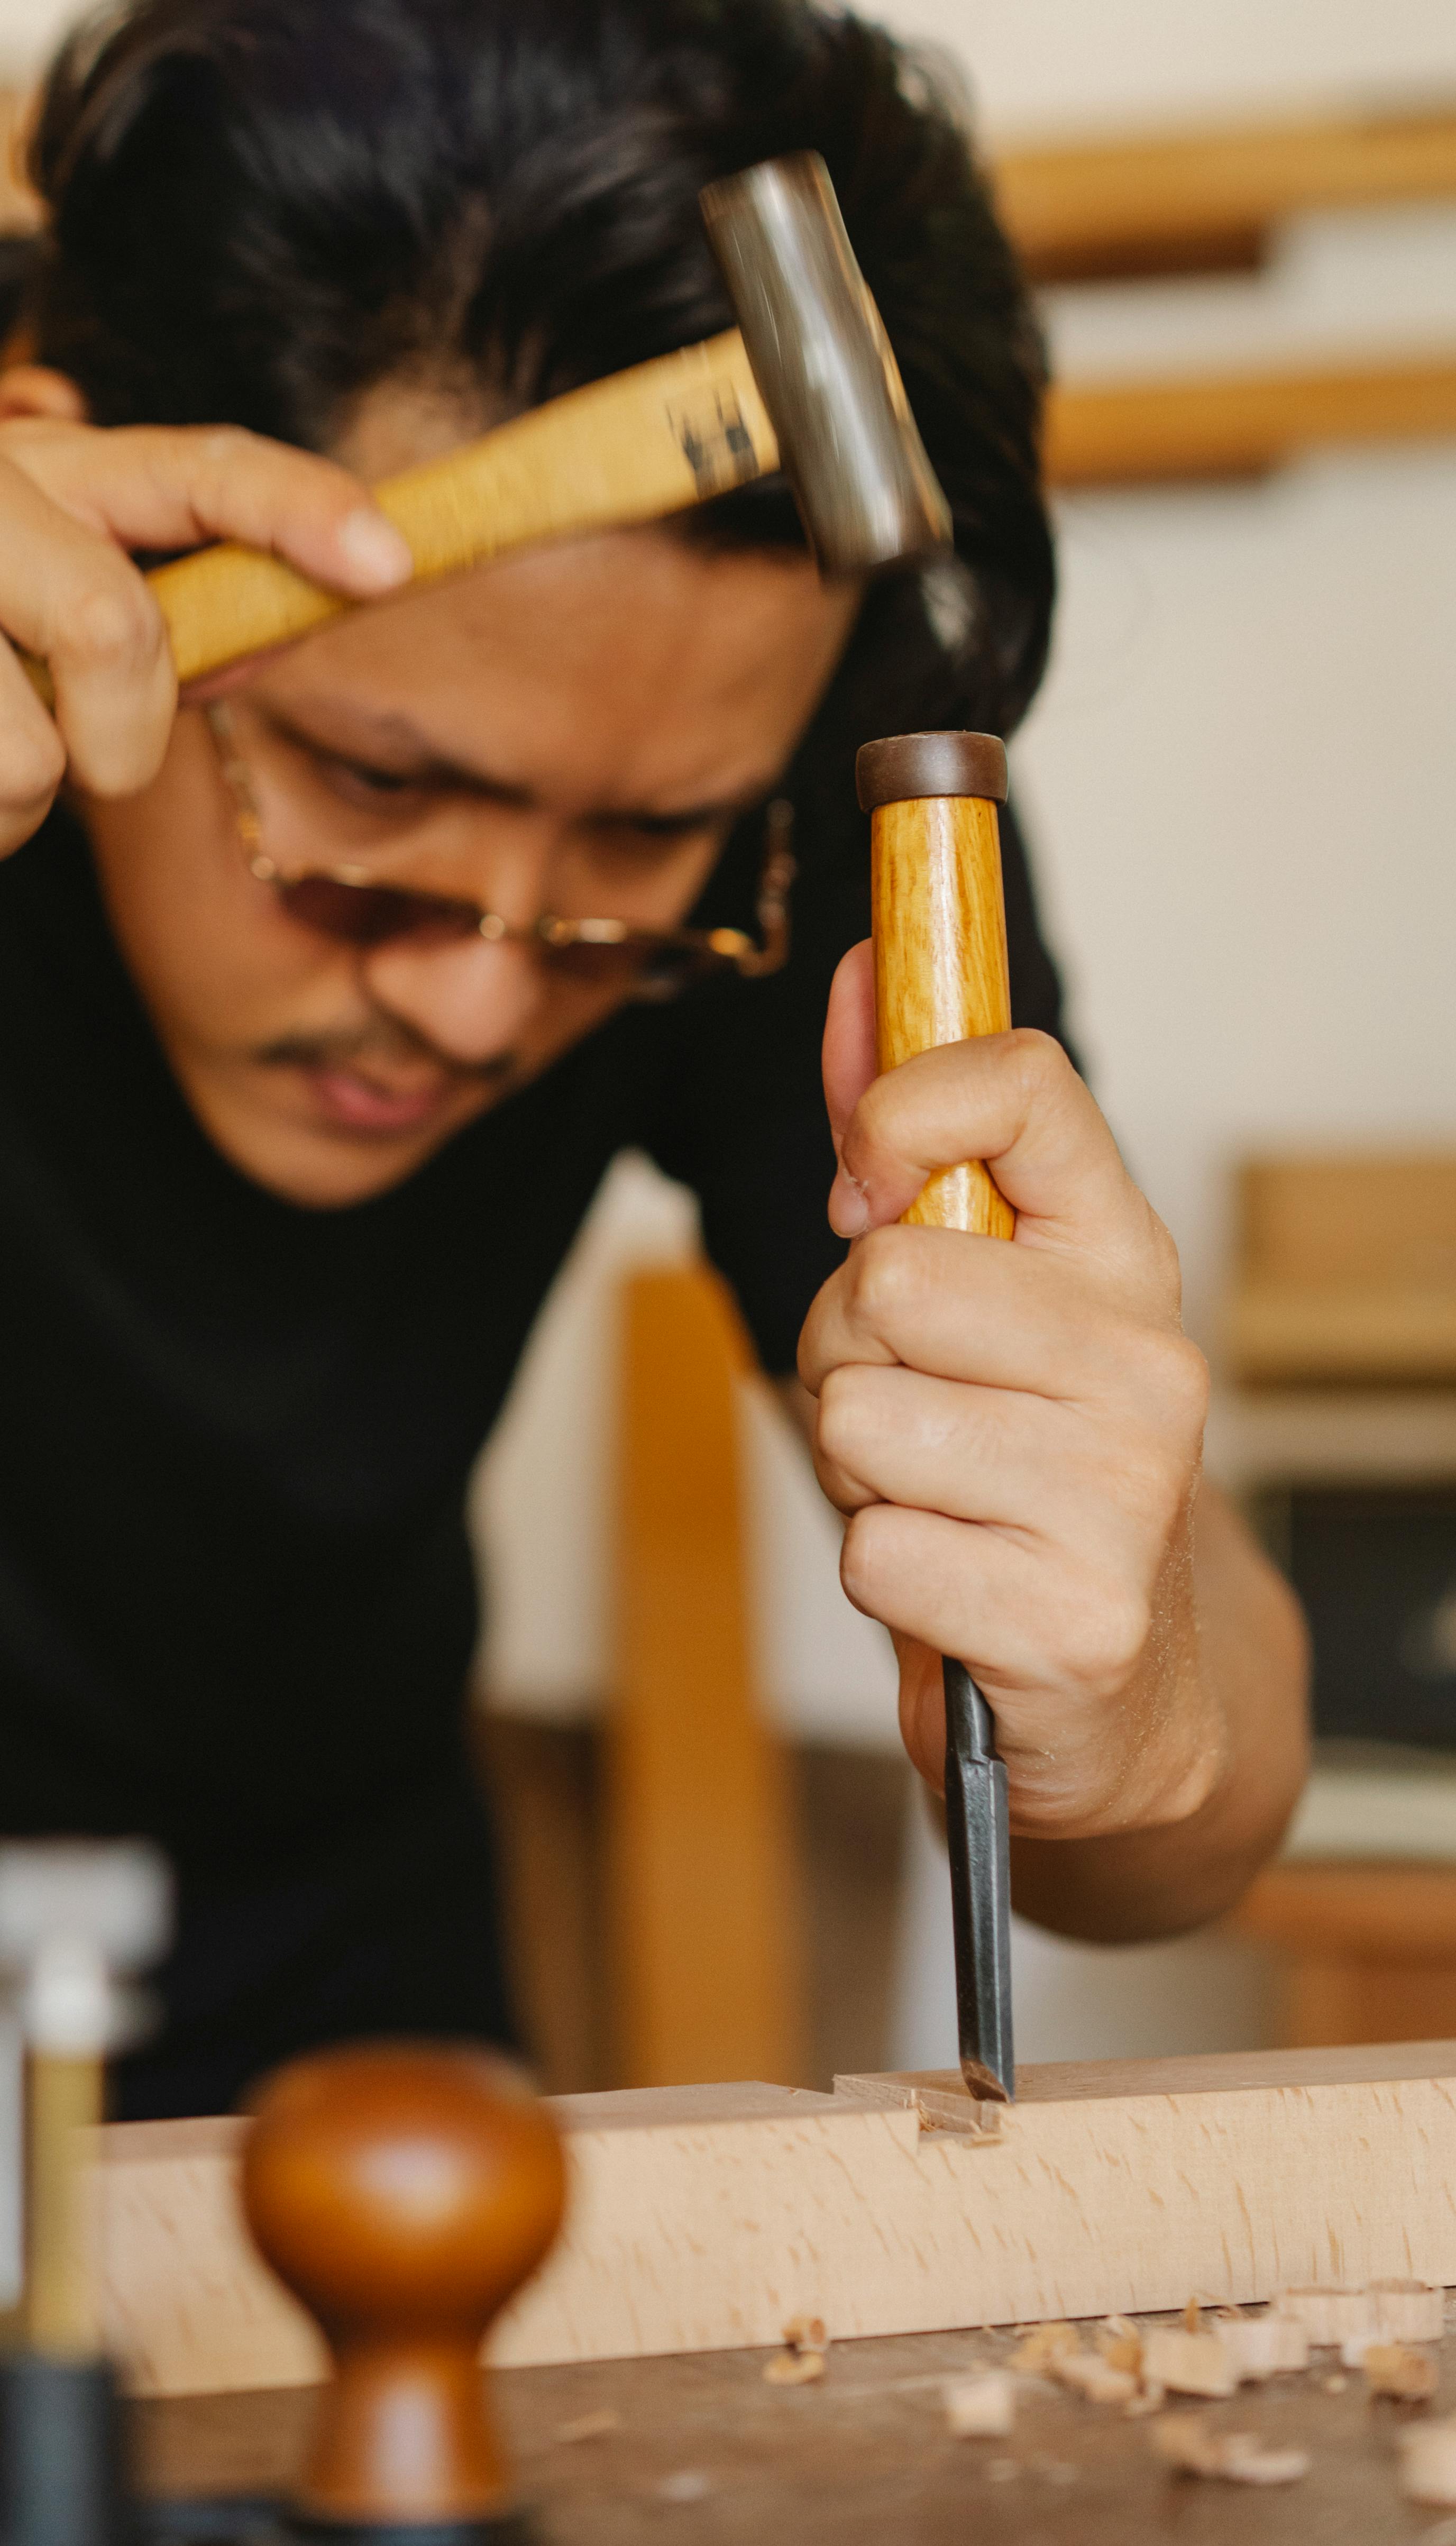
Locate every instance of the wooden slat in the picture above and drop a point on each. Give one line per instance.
(1140, 432)
(1201, 199)
(705, 1929)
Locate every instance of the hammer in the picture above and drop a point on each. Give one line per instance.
(941, 976)
(807, 382)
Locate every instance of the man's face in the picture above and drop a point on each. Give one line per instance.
(570, 729)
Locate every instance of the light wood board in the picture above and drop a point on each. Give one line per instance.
(705, 2218)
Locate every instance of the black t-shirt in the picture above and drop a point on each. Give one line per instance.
(237, 1606)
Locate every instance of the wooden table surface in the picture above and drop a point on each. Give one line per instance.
(706, 2453)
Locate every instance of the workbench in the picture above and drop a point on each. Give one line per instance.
(708, 2454)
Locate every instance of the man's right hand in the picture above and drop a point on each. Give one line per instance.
(73, 500)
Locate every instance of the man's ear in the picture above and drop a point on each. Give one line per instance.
(29, 390)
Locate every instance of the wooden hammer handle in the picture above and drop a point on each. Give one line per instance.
(645, 443)
(940, 954)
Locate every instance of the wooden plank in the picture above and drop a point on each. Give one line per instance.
(1138, 431)
(705, 2218)
(1206, 198)
(705, 1913)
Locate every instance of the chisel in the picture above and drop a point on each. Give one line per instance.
(940, 978)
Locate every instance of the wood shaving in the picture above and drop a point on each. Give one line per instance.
(590, 2426)
(1263, 2347)
(1093, 2377)
(1335, 2386)
(1121, 2345)
(980, 2409)
(1191, 2364)
(801, 2363)
(1329, 2317)
(1407, 2312)
(1429, 2462)
(1150, 2401)
(1036, 2351)
(1192, 2316)
(1394, 2369)
(794, 2369)
(1186, 2444)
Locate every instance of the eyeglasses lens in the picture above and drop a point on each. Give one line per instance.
(383, 914)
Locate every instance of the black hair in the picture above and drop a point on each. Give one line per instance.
(260, 209)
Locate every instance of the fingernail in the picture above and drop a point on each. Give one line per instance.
(849, 1206)
(378, 553)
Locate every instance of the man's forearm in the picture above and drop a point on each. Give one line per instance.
(1252, 1652)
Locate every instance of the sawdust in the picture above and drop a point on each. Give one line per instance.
(1394, 2369)
(980, 2409)
(1186, 2445)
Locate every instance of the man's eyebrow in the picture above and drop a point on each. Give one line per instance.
(407, 753)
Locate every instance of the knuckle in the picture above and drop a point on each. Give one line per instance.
(840, 1418)
(1112, 1635)
(860, 1554)
(1039, 1060)
(880, 1275)
(110, 622)
(32, 764)
(226, 446)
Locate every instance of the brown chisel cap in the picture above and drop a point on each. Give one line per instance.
(905, 765)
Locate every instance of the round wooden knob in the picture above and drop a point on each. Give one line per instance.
(402, 2194)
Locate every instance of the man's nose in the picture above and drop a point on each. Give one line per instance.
(471, 999)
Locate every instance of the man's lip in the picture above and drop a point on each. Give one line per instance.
(357, 1103)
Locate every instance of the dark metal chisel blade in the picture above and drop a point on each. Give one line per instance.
(978, 1832)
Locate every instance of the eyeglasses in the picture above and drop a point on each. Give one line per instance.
(346, 906)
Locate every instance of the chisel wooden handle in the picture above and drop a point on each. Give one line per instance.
(941, 976)
(647, 442)
(940, 925)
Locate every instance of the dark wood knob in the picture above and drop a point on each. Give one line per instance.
(402, 2194)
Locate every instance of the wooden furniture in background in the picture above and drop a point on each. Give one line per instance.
(1138, 432)
(1367, 1951)
(1346, 1270)
(705, 1910)
(1207, 200)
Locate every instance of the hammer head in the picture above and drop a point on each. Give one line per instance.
(865, 492)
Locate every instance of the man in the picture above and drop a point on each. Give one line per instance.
(301, 1106)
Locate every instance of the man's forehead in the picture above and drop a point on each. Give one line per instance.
(391, 739)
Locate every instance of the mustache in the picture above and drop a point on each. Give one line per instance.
(383, 1043)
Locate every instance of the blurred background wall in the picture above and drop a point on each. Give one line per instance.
(1238, 784)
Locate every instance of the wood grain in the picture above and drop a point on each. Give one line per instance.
(705, 2218)
(940, 965)
(706, 1919)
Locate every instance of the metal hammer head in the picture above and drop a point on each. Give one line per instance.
(865, 492)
